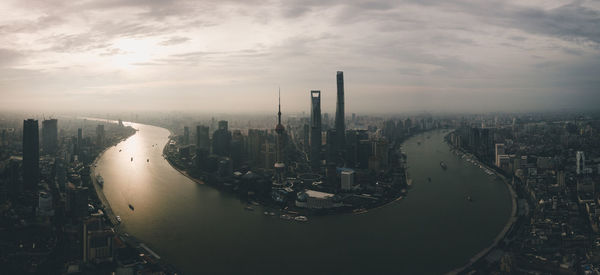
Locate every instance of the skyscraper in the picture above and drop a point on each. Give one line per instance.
(202, 140)
(580, 165)
(315, 129)
(100, 135)
(340, 125)
(79, 140)
(186, 135)
(31, 154)
(222, 140)
(499, 152)
(279, 164)
(50, 136)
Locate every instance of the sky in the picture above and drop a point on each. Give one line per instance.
(232, 56)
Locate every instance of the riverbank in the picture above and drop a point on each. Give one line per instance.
(511, 221)
(181, 171)
(99, 194)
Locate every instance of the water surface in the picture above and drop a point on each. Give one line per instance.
(202, 230)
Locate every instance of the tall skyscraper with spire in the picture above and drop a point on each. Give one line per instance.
(279, 164)
(315, 130)
(340, 125)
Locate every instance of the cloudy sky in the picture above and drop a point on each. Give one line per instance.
(226, 56)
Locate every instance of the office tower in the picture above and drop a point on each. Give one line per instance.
(50, 136)
(223, 125)
(325, 122)
(269, 152)
(347, 180)
(279, 164)
(499, 152)
(315, 129)
(31, 154)
(580, 165)
(100, 135)
(222, 140)
(256, 139)
(351, 159)
(237, 150)
(98, 241)
(408, 125)
(331, 149)
(306, 137)
(213, 125)
(79, 140)
(4, 138)
(340, 125)
(363, 153)
(202, 139)
(45, 204)
(186, 135)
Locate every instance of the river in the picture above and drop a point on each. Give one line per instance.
(202, 230)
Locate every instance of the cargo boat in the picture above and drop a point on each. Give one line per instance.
(100, 180)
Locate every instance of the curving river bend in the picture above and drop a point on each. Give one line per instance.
(201, 230)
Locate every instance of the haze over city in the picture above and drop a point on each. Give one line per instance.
(210, 56)
(299, 137)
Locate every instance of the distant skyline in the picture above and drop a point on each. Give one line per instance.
(231, 56)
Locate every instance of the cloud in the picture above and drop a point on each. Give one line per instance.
(112, 51)
(174, 40)
(475, 49)
(9, 57)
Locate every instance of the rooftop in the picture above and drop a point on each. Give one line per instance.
(317, 194)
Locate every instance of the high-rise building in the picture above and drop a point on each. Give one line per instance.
(100, 135)
(237, 149)
(340, 125)
(97, 241)
(331, 148)
(256, 140)
(223, 125)
(499, 152)
(306, 137)
(79, 140)
(279, 164)
(315, 129)
(347, 180)
(202, 138)
(580, 165)
(3, 140)
(31, 154)
(222, 140)
(50, 136)
(186, 135)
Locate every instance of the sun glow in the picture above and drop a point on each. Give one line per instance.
(130, 51)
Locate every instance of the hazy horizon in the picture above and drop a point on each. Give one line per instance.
(231, 56)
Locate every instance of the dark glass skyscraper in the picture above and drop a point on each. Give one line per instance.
(202, 139)
(50, 136)
(315, 129)
(222, 140)
(340, 125)
(31, 154)
(186, 135)
(79, 140)
(100, 135)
